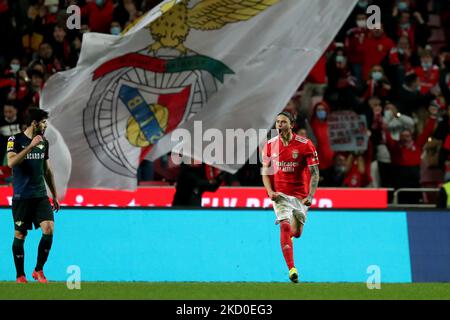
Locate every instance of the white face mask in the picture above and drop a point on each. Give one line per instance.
(363, 3)
(377, 75)
(402, 6)
(115, 31)
(53, 9)
(388, 115)
(15, 67)
(361, 23)
(427, 65)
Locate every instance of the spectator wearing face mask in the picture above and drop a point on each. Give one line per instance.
(428, 73)
(377, 84)
(319, 125)
(14, 67)
(99, 14)
(116, 29)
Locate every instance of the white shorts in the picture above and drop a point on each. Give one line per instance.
(287, 207)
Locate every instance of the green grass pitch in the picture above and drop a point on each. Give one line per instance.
(224, 291)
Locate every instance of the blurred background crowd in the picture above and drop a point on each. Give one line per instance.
(397, 77)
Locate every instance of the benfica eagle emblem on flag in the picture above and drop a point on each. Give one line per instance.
(148, 93)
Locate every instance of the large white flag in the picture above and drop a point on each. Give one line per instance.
(227, 63)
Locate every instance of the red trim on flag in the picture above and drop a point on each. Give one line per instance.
(131, 60)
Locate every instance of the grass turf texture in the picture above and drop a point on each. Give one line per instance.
(224, 291)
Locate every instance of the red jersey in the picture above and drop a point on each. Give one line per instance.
(428, 78)
(354, 43)
(291, 164)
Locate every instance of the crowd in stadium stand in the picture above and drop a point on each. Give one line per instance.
(397, 76)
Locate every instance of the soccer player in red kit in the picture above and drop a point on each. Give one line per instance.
(293, 162)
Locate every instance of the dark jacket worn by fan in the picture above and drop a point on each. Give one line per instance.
(192, 183)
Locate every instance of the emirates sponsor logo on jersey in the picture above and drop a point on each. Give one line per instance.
(287, 166)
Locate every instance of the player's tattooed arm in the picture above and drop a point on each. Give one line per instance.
(314, 183)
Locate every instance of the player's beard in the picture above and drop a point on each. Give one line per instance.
(284, 133)
(39, 132)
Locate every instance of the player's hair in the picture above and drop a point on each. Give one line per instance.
(35, 114)
(287, 114)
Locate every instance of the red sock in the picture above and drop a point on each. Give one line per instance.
(286, 244)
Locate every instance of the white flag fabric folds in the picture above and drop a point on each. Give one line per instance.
(59, 158)
(227, 63)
